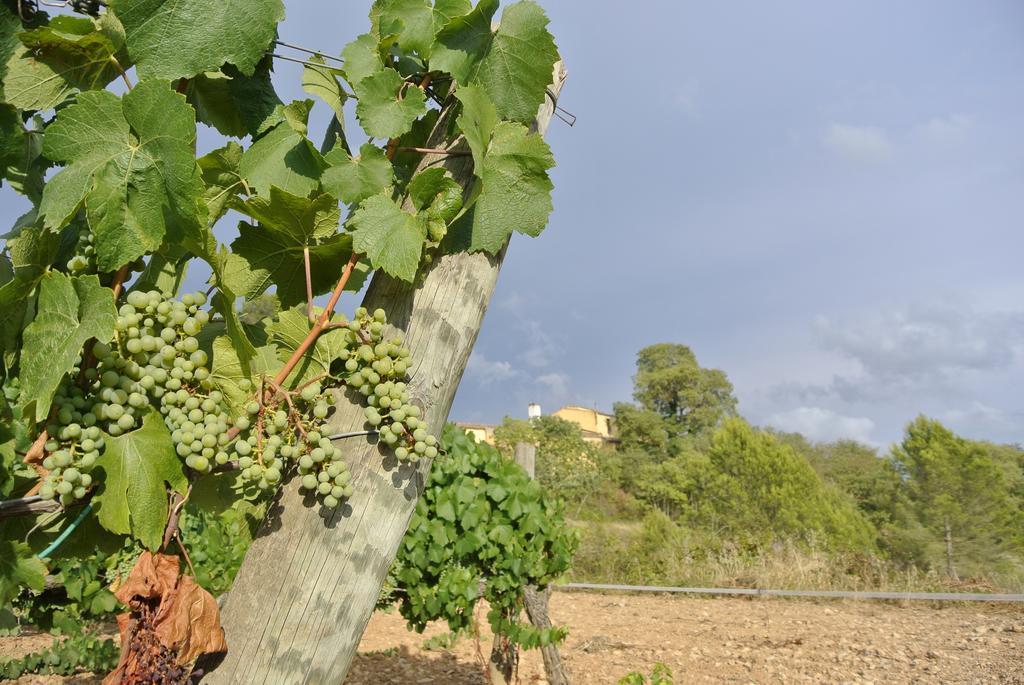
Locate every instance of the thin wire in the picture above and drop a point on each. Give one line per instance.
(353, 434)
(311, 52)
(65, 533)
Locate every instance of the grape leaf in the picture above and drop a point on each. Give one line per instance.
(10, 26)
(132, 162)
(66, 55)
(513, 64)
(181, 38)
(362, 58)
(32, 251)
(412, 21)
(272, 254)
(289, 331)
(355, 179)
(222, 178)
(284, 156)
(438, 197)
(234, 104)
(515, 190)
(322, 82)
(12, 135)
(390, 237)
(384, 109)
(477, 121)
(22, 163)
(18, 568)
(138, 466)
(235, 376)
(71, 310)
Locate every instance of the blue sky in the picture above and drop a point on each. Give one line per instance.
(822, 199)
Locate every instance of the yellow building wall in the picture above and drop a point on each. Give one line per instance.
(587, 419)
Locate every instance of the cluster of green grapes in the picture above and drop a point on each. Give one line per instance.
(84, 259)
(283, 432)
(376, 369)
(155, 361)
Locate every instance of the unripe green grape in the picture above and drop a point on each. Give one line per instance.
(331, 502)
(314, 436)
(337, 492)
(430, 452)
(324, 488)
(431, 440)
(243, 448)
(305, 462)
(309, 482)
(401, 453)
(65, 488)
(46, 491)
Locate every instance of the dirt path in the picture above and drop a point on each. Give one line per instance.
(711, 641)
(731, 641)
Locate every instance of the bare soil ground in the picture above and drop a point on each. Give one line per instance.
(730, 641)
(708, 641)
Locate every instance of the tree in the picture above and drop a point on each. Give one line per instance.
(671, 383)
(642, 430)
(758, 490)
(856, 469)
(567, 465)
(957, 492)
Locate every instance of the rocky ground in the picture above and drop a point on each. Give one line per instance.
(711, 641)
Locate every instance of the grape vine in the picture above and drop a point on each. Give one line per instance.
(125, 397)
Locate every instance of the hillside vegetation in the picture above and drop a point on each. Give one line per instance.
(693, 494)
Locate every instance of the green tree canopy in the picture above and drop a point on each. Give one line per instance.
(956, 490)
(567, 466)
(671, 383)
(757, 489)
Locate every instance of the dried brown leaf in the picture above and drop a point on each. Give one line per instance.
(153, 576)
(189, 622)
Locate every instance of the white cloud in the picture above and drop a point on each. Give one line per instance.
(947, 130)
(980, 416)
(557, 385)
(819, 424)
(924, 346)
(485, 371)
(539, 348)
(858, 143)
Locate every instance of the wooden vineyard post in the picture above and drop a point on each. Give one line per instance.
(535, 600)
(309, 583)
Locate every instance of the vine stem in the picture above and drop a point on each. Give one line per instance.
(320, 323)
(436, 151)
(309, 284)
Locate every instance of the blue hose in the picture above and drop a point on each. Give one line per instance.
(65, 533)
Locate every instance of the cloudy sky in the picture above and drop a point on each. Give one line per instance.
(822, 199)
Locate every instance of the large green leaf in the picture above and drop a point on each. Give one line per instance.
(71, 310)
(362, 58)
(322, 82)
(411, 21)
(515, 193)
(387, 105)
(513, 64)
(68, 54)
(476, 121)
(234, 104)
(18, 568)
(272, 253)
(138, 468)
(181, 38)
(353, 179)
(32, 252)
(284, 156)
(290, 330)
(134, 169)
(236, 375)
(390, 237)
